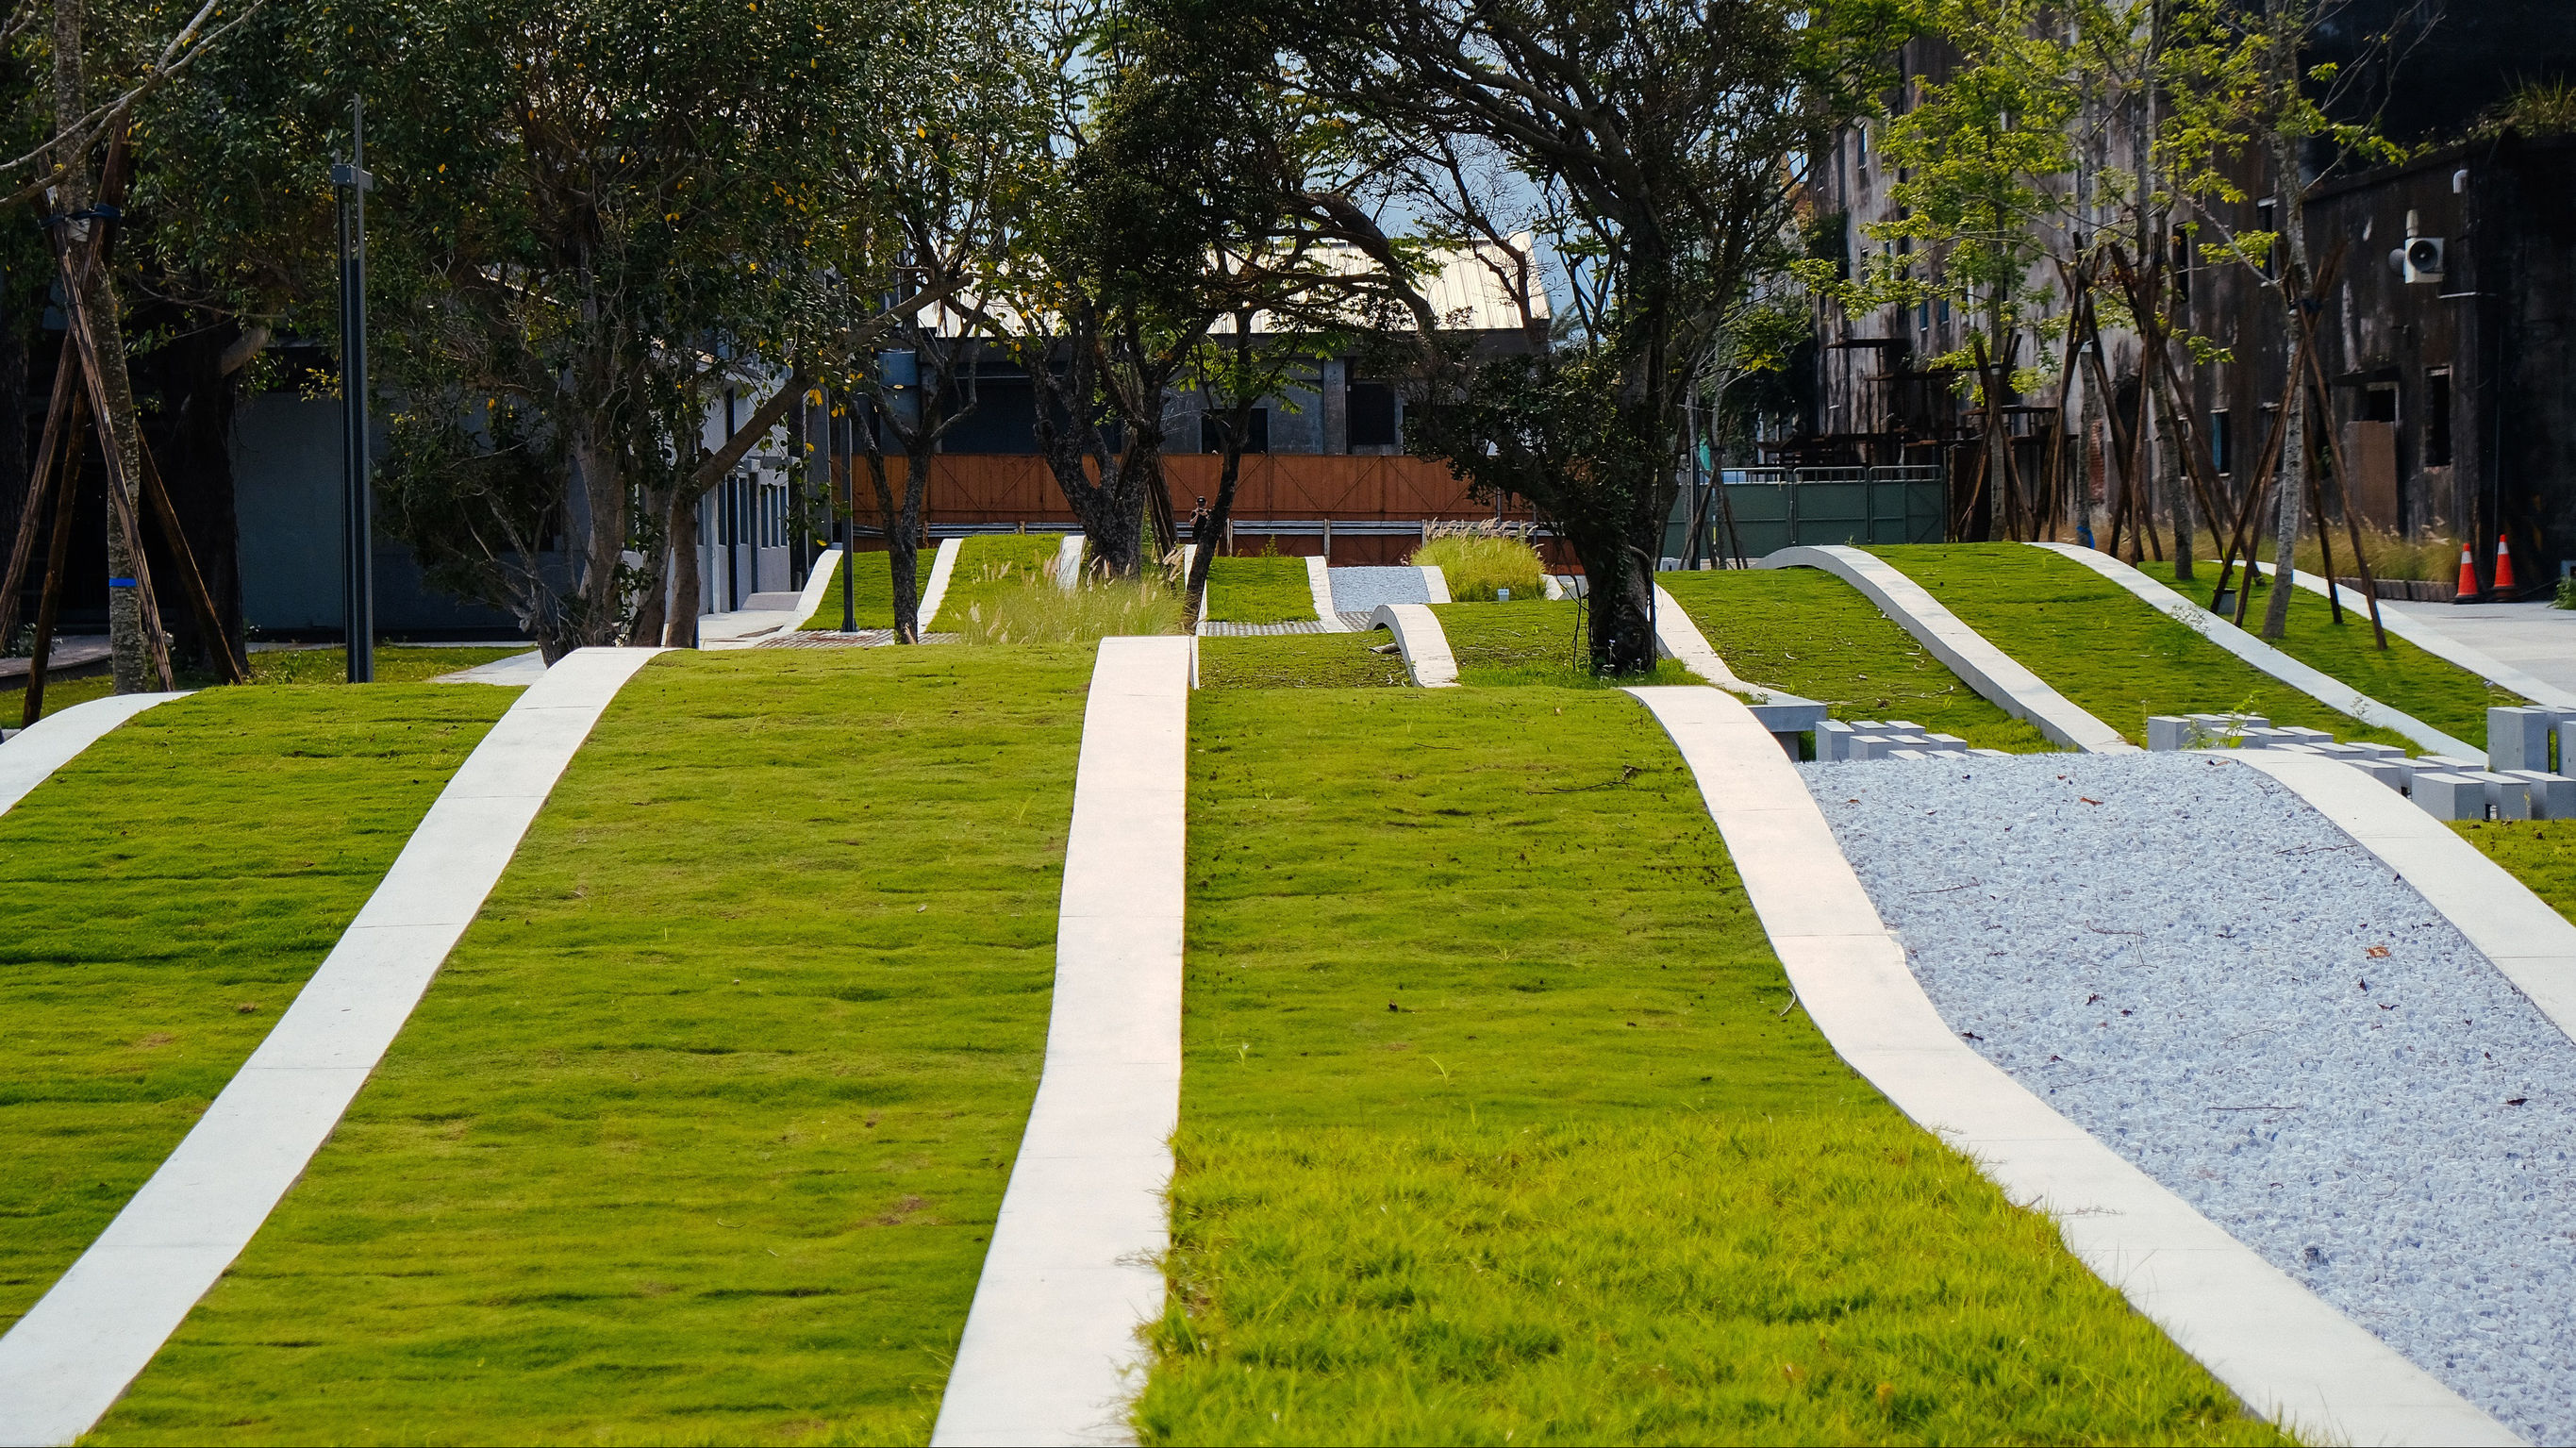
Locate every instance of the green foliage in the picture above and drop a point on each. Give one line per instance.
(700, 1132)
(1536, 643)
(1477, 1148)
(169, 891)
(2536, 108)
(1810, 633)
(991, 568)
(1268, 589)
(1037, 611)
(2102, 646)
(1480, 559)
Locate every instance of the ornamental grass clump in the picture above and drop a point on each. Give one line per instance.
(1040, 612)
(1480, 560)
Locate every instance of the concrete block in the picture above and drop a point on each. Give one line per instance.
(2552, 796)
(2371, 750)
(2392, 773)
(1947, 743)
(1833, 739)
(2257, 736)
(2509, 798)
(1908, 754)
(2566, 742)
(2519, 738)
(1871, 746)
(1903, 726)
(1989, 754)
(2448, 764)
(2450, 796)
(2168, 732)
(1787, 713)
(2302, 734)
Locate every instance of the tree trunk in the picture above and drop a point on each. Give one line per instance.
(2293, 484)
(598, 599)
(680, 625)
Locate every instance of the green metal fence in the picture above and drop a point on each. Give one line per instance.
(1778, 508)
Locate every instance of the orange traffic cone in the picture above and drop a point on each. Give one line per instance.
(2504, 566)
(2468, 586)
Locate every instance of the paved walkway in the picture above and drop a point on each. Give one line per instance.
(30, 756)
(2533, 637)
(1051, 1353)
(67, 1361)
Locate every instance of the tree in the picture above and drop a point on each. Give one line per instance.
(1650, 146)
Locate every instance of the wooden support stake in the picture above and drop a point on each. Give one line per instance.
(49, 605)
(209, 623)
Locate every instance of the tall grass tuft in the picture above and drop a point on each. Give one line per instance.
(2430, 557)
(1480, 560)
(1039, 612)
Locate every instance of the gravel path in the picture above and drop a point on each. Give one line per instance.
(2280, 1031)
(1361, 590)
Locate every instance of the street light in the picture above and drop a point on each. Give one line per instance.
(358, 608)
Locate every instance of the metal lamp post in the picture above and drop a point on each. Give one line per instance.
(350, 178)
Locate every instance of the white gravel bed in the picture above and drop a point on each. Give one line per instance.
(2182, 957)
(1361, 590)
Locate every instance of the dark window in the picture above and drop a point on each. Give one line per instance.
(2222, 445)
(2379, 402)
(1004, 419)
(1372, 414)
(2437, 418)
(1256, 434)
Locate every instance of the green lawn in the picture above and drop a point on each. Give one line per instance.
(1299, 661)
(988, 567)
(871, 585)
(395, 664)
(2539, 853)
(1498, 1128)
(2437, 691)
(169, 891)
(699, 1135)
(1806, 631)
(2102, 646)
(1530, 641)
(1259, 590)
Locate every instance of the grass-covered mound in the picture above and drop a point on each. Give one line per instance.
(1529, 643)
(1806, 631)
(1480, 560)
(1258, 590)
(169, 891)
(395, 664)
(2435, 690)
(871, 589)
(699, 1135)
(2102, 646)
(1498, 1126)
(989, 568)
(1033, 610)
(1300, 661)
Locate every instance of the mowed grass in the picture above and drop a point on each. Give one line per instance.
(2103, 646)
(1258, 590)
(1497, 1126)
(1530, 642)
(395, 664)
(988, 569)
(1806, 631)
(2539, 853)
(1299, 661)
(699, 1135)
(2435, 690)
(870, 585)
(169, 891)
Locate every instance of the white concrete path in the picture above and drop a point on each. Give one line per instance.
(1319, 582)
(1424, 643)
(1051, 1353)
(2280, 1348)
(65, 1363)
(943, 565)
(1068, 562)
(2447, 631)
(517, 669)
(1679, 639)
(766, 614)
(2530, 942)
(2317, 684)
(1987, 669)
(31, 755)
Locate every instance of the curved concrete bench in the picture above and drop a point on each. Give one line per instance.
(935, 591)
(1050, 1352)
(2277, 1345)
(70, 1357)
(1987, 669)
(2441, 645)
(1068, 562)
(32, 754)
(1426, 646)
(2315, 683)
(2530, 942)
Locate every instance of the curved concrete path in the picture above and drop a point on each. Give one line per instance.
(2530, 942)
(2275, 1344)
(1987, 669)
(1424, 643)
(943, 564)
(32, 754)
(2432, 640)
(2317, 684)
(1679, 639)
(65, 1363)
(1051, 1352)
(1319, 584)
